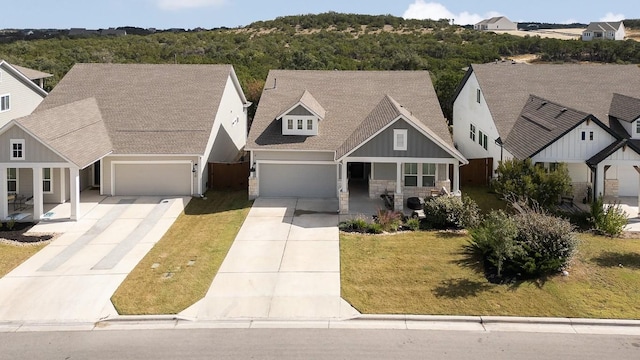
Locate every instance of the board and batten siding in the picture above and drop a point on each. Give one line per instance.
(23, 98)
(418, 145)
(34, 150)
(571, 147)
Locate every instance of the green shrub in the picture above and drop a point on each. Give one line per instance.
(522, 178)
(375, 228)
(495, 239)
(357, 224)
(412, 224)
(610, 219)
(444, 212)
(390, 221)
(548, 243)
(11, 223)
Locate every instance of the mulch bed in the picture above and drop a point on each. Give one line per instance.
(17, 235)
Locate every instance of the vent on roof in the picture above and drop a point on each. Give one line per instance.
(538, 121)
(563, 110)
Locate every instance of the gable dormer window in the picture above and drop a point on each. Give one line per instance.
(289, 124)
(303, 118)
(16, 149)
(637, 126)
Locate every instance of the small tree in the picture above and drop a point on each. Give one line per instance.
(523, 179)
(610, 219)
(495, 239)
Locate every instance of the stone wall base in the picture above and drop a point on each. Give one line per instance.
(253, 188)
(344, 203)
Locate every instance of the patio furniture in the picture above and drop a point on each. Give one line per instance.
(388, 200)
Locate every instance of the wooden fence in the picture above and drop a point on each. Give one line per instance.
(477, 172)
(229, 176)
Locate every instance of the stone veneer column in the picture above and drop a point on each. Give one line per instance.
(344, 203)
(398, 202)
(253, 187)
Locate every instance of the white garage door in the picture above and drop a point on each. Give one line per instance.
(627, 180)
(280, 180)
(153, 179)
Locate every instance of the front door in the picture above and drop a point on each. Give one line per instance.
(96, 174)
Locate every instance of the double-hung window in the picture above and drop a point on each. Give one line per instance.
(5, 102)
(410, 174)
(290, 124)
(420, 175)
(472, 132)
(400, 139)
(46, 181)
(309, 124)
(12, 180)
(428, 175)
(299, 124)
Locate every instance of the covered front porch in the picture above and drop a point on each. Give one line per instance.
(400, 177)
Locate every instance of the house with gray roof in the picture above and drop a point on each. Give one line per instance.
(581, 115)
(604, 31)
(125, 129)
(20, 91)
(500, 23)
(327, 133)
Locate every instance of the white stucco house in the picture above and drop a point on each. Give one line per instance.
(604, 31)
(582, 115)
(20, 91)
(125, 129)
(323, 133)
(499, 23)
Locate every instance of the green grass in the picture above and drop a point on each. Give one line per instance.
(485, 199)
(430, 273)
(13, 255)
(203, 233)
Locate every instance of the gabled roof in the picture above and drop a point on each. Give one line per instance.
(589, 88)
(384, 114)
(612, 149)
(31, 73)
(24, 78)
(604, 26)
(310, 103)
(549, 121)
(625, 108)
(74, 131)
(149, 108)
(348, 98)
(492, 20)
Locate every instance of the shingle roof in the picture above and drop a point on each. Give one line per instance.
(348, 97)
(148, 109)
(604, 26)
(79, 133)
(588, 88)
(23, 78)
(547, 120)
(31, 73)
(492, 20)
(611, 149)
(625, 108)
(310, 103)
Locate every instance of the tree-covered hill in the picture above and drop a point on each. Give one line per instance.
(325, 41)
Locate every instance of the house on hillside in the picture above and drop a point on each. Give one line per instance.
(335, 134)
(496, 23)
(582, 115)
(126, 129)
(604, 31)
(20, 91)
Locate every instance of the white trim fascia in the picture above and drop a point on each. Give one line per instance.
(295, 162)
(292, 150)
(13, 142)
(20, 75)
(236, 83)
(147, 162)
(102, 177)
(132, 155)
(313, 113)
(98, 159)
(395, 160)
(444, 146)
(29, 165)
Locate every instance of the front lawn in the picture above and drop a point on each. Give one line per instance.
(430, 273)
(12, 255)
(179, 269)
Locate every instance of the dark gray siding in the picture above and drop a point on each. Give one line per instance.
(34, 151)
(299, 110)
(418, 146)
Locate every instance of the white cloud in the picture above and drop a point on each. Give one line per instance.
(612, 17)
(436, 11)
(570, 21)
(187, 4)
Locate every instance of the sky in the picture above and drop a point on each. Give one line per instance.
(189, 14)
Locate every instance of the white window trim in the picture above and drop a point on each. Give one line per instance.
(13, 142)
(420, 174)
(49, 180)
(2, 96)
(295, 131)
(289, 124)
(472, 132)
(17, 181)
(400, 134)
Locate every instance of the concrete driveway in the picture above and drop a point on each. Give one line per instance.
(283, 264)
(74, 277)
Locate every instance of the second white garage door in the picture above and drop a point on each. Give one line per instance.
(162, 179)
(289, 180)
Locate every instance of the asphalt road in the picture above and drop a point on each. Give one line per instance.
(313, 344)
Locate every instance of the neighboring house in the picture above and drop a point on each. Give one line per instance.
(604, 31)
(496, 23)
(19, 91)
(324, 133)
(127, 129)
(582, 115)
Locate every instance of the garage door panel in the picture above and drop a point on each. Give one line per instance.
(627, 180)
(285, 180)
(153, 179)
